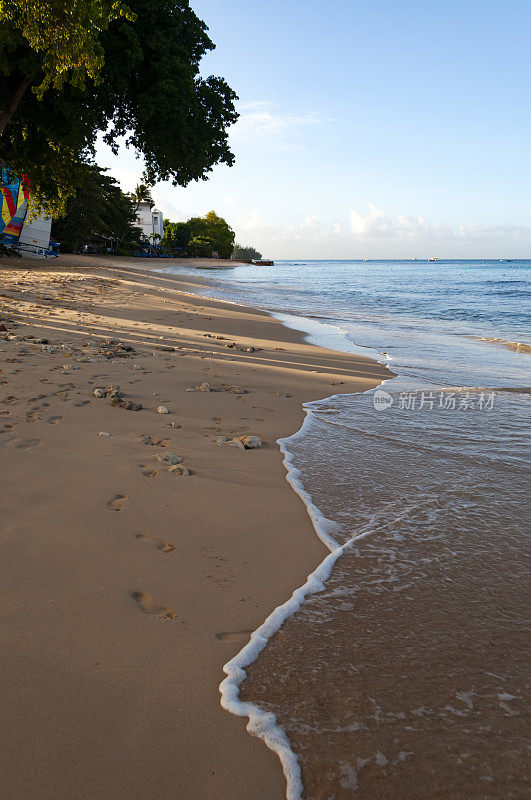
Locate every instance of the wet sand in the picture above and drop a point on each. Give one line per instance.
(126, 585)
(407, 679)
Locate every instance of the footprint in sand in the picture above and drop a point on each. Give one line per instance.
(146, 439)
(65, 391)
(232, 636)
(149, 606)
(53, 420)
(83, 403)
(160, 544)
(118, 502)
(147, 472)
(24, 444)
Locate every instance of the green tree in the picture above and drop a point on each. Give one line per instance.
(62, 35)
(141, 194)
(99, 207)
(246, 252)
(145, 88)
(176, 234)
(216, 229)
(201, 246)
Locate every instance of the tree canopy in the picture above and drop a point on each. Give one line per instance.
(99, 208)
(201, 246)
(138, 80)
(200, 236)
(141, 194)
(176, 234)
(64, 34)
(246, 252)
(215, 229)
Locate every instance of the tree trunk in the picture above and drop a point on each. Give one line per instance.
(14, 102)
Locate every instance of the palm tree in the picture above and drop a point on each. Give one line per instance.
(142, 194)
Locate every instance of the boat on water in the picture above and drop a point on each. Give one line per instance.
(433, 258)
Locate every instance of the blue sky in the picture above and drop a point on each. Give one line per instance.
(368, 129)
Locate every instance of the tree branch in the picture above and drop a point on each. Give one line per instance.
(14, 102)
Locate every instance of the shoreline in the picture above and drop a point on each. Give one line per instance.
(263, 724)
(243, 559)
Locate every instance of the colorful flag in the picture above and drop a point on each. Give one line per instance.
(15, 191)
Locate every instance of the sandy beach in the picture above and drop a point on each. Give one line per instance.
(126, 584)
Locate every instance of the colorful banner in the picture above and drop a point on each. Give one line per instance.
(15, 194)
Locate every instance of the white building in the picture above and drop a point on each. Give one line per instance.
(149, 220)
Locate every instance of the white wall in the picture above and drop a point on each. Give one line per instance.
(150, 220)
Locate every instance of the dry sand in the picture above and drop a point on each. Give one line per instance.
(125, 586)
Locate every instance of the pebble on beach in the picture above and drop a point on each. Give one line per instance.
(203, 387)
(178, 469)
(108, 391)
(162, 410)
(206, 387)
(168, 458)
(247, 442)
(127, 404)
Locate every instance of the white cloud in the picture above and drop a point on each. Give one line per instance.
(354, 233)
(260, 119)
(374, 234)
(377, 224)
(473, 231)
(247, 219)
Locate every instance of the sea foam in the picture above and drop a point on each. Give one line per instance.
(263, 724)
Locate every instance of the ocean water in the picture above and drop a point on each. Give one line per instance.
(401, 669)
